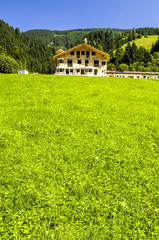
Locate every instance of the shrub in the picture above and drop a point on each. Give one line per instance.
(111, 66)
(123, 67)
(141, 68)
(8, 64)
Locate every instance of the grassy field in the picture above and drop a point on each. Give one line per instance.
(79, 158)
(144, 42)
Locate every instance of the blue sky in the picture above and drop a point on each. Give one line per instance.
(69, 14)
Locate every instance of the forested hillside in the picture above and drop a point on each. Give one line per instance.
(67, 38)
(17, 48)
(106, 41)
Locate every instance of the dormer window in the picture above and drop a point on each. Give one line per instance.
(93, 53)
(72, 53)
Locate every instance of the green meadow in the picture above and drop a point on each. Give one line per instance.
(79, 158)
(144, 42)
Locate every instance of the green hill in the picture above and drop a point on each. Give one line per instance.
(144, 41)
(79, 158)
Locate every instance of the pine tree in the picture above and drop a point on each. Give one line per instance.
(130, 36)
(134, 53)
(127, 54)
(155, 47)
(119, 56)
(133, 34)
(141, 54)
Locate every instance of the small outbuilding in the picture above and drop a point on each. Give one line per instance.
(22, 71)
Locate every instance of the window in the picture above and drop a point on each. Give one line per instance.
(93, 53)
(71, 70)
(95, 72)
(61, 61)
(86, 63)
(88, 70)
(69, 63)
(103, 63)
(60, 70)
(79, 61)
(72, 53)
(78, 70)
(83, 52)
(96, 63)
(87, 54)
(82, 71)
(78, 54)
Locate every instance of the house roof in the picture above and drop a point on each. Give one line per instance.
(84, 45)
(59, 51)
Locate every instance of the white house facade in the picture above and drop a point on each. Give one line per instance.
(81, 60)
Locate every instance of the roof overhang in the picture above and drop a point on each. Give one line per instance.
(83, 45)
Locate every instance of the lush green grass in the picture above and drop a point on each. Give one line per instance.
(144, 42)
(79, 158)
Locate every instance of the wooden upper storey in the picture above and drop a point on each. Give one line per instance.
(82, 51)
